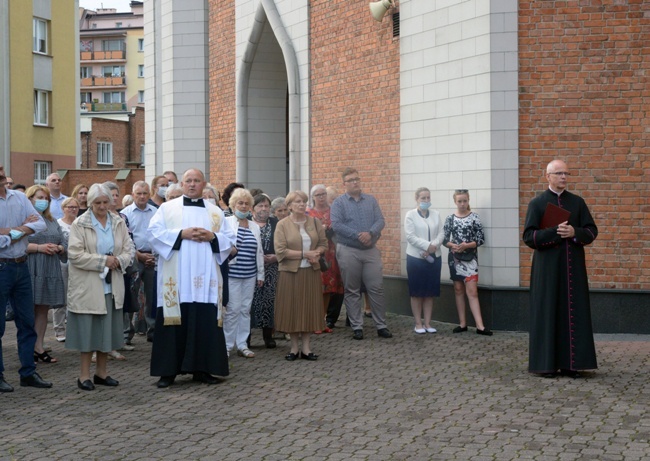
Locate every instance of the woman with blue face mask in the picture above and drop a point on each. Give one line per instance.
(45, 251)
(245, 272)
(424, 234)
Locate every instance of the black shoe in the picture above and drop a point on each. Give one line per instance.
(291, 356)
(5, 386)
(10, 317)
(484, 332)
(165, 381)
(310, 356)
(547, 375)
(330, 325)
(384, 333)
(459, 329)
(367, 314)
(267, 334)
(87, 385)
(270, 343)
(35, 380)
(108, 381)
(150, 339)
(358, 335)
(206, 378)
(571, 374)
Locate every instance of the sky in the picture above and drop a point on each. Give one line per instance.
(120, 5)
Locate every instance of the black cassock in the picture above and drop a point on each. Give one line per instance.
(561, 335)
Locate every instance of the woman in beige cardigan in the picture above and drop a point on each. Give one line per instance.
(99, 251)
(299, 243)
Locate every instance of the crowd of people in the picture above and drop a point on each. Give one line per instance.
(196, 271)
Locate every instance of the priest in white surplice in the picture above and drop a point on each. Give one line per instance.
(191, 238)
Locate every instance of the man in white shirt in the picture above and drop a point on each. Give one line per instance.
(53, 183)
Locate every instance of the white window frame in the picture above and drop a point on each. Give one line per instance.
(104, 153)
(86, 97)
(142, 152)
(140, 70)
(39, 36)
(140, 96)
(109, 44)
(141, 45)
(41, 171)
(85, 72)
(41, 108)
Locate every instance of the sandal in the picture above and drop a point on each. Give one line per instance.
(116, 355)
(44, 357)
(249, 354)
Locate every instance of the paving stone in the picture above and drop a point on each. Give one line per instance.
(430, 397)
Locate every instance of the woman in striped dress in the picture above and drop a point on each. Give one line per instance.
(246, 270)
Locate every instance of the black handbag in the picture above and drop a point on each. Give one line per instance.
(322, 262)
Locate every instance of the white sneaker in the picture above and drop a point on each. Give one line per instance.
(60, 339)
(127, 347)
(430, 330)
(419, 331)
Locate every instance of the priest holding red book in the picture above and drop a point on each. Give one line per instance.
(561, 335)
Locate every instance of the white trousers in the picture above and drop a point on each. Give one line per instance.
(237, 318)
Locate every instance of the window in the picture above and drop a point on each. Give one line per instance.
(141, 44)
(104, 153)
(41, 107)
(141, 97)
(111, 97)
(86, 97)
(142, 154)
(41, 171)
(140, 70)
(112, 45)
(85, 72)
(118, 24)
(113, 71)
(40, 36)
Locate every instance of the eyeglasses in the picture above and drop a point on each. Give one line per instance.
(352, 180)
(55, 180)
(561, 173)
(461, 191)
(324, 194)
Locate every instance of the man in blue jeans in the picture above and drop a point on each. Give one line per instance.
(18, 219)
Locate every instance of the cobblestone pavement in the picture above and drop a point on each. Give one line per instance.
(413, 397)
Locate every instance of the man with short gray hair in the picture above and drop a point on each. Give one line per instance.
(139, 214)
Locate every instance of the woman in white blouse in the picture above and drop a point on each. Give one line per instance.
(424, 234)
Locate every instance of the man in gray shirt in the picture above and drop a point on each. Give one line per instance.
(358, 221)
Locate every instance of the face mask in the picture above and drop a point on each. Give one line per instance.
(41, 205)
(241, 215)
(161, 191)
(262, 215)
(211, 200)
(16, 234)
(425, 205)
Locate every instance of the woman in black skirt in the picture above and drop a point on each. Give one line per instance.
(424, 236)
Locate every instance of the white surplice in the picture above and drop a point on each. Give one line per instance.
(190, 274)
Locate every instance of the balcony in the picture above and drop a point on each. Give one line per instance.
(103, 106)
(103, 56)
(103, 82)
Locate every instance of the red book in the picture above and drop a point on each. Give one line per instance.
(553, 216)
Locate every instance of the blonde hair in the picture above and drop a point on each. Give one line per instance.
(31, 192)
(292, 196)
(239, 194)
(458, 192)
(76, 190)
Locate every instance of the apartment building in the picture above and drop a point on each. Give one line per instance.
(38, 88)
(111, 46)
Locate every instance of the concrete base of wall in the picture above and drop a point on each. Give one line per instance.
(506, 309)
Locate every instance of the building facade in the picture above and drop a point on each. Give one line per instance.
(474, 94)
(39, 103)
(111, 71)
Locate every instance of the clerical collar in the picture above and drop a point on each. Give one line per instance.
(193, 202)
(556, 193)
